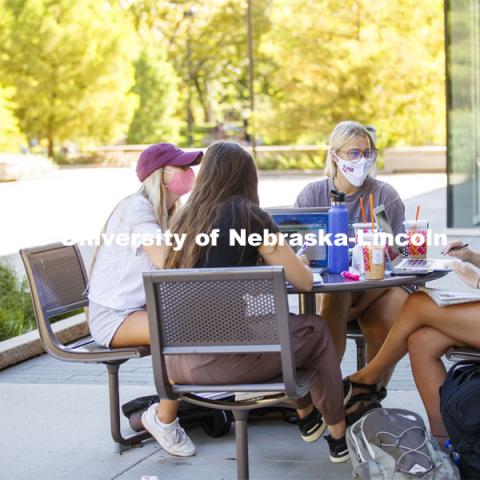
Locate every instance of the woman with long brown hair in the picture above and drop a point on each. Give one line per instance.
(225, 197)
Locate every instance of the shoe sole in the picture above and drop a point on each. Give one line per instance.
(315, 435)
(318, 433)
(343, 459)
(174, 454)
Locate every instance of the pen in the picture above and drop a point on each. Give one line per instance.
(457, 248)
(302, 249)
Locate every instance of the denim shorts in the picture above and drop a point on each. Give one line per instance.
(104, 321)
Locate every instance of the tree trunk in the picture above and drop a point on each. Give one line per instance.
(50, 146)
(203, 97)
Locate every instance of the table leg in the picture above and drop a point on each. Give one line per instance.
(307, 303)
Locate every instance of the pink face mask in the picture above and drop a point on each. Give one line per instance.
(181, 182)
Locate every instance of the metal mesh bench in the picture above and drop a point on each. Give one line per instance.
(58, 280)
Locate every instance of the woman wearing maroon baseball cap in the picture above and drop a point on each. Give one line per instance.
(129, 245)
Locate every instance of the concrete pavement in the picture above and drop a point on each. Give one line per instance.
(61, 431)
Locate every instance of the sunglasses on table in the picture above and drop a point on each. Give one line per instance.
(356, 153)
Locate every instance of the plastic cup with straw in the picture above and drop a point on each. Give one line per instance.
(416, 230)
(373, 255)
(363, 227)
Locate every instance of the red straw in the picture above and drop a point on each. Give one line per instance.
(371, 212)
(362, 209)
(416, 219)
(417, 214)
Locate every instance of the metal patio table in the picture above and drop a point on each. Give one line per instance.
(333, 282)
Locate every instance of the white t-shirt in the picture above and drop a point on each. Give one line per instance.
(116, 280)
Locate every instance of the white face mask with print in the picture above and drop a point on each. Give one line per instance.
(355, 171)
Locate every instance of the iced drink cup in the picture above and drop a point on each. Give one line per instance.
(416, 231)
(373, 259)
(357, 252)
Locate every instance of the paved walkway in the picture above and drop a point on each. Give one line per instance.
(59, 432)
(47, 370)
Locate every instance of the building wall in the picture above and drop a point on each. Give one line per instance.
(462, 34)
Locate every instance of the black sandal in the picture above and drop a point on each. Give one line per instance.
(374, 394)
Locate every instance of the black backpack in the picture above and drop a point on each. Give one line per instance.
(216, 423)
(460, 408)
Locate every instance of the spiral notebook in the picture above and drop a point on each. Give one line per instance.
(444, 298)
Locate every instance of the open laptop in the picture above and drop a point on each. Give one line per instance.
(400, 264)
(305, 220)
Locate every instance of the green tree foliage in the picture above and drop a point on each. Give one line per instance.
(207, 44)
(10, 135)
(70, 61)
(156, 86)
(378, 62)
(76, 74)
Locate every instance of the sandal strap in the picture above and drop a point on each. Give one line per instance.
(377, 395)
(370, 387)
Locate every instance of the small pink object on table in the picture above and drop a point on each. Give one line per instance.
(350, 276)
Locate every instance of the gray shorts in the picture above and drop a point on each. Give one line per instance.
(104, 321)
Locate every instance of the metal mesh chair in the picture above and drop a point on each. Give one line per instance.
(460, 354)
(223, 311)
(57, 277)
(355, 333)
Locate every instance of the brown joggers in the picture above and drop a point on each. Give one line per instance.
(313, 348)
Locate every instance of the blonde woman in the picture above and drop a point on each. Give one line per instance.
(351, 161)
(117, 315)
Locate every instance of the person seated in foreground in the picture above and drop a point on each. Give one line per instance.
(226, 197)
(426, 331)
(117, 314)
(350, 165)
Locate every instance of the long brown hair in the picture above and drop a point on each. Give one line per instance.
(227, 172)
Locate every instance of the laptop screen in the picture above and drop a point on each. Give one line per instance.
(384, 225)
(302, 221)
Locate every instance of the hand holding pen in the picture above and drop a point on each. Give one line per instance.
(458, 249)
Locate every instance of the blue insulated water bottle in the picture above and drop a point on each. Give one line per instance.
(337, 224)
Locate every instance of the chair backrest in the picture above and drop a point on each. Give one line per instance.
(58, 281)
(217, 310)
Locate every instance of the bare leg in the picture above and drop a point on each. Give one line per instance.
(377, 320)
(460, 322)
(135, 331)
(304, 412)
(426, 347)
(334, 308)
(338, 430)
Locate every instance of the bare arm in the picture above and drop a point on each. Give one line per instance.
(296, 272)
(156, 254)
(464, 254)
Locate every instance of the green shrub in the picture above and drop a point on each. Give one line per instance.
(16, 310)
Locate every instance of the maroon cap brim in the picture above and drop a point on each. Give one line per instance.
(187, 158)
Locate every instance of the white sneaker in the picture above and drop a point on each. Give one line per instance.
(171, 437)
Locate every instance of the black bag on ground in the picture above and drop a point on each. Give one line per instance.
(215, 423)
(460, 408)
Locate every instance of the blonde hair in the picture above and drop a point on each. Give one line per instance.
(342, 134)
(154, 190)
